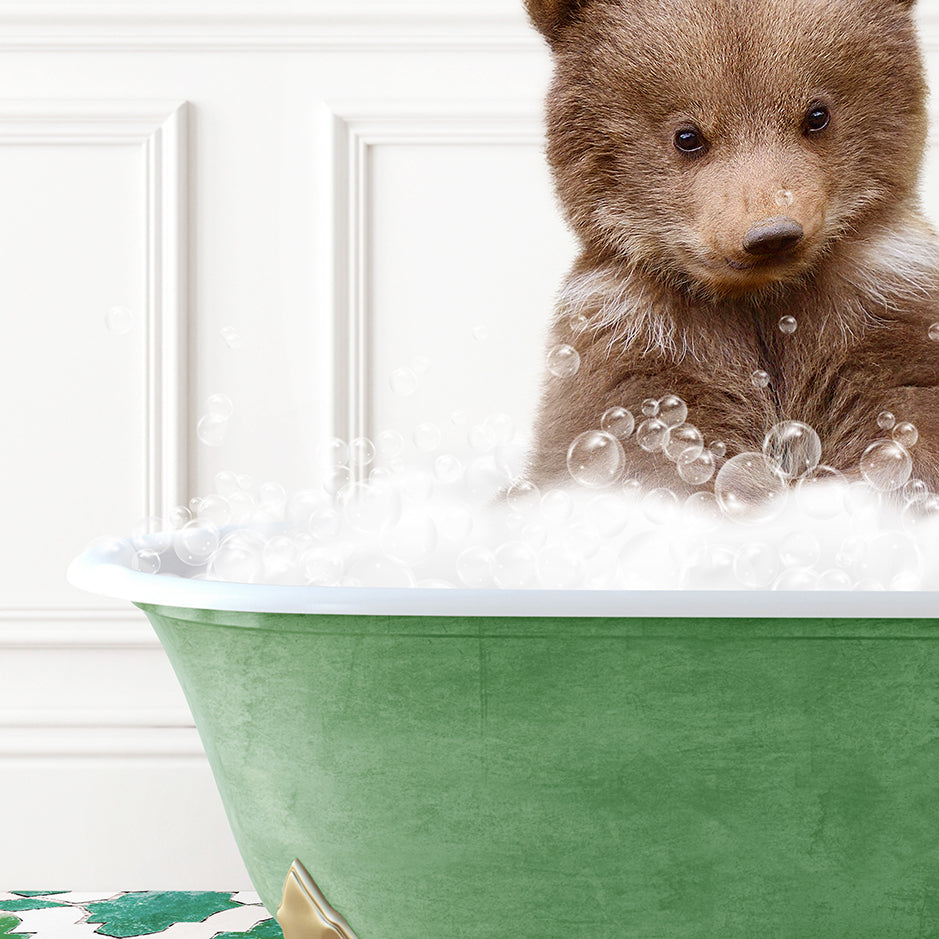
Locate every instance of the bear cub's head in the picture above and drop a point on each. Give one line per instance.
(727, 146)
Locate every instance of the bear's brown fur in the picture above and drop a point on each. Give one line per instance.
(674, 301)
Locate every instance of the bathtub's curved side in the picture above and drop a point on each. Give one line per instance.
(458, 777)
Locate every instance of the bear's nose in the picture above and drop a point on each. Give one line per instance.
(772, 236)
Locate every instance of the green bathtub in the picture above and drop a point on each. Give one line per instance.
(570, 773)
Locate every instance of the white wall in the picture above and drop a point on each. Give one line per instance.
(349, 186)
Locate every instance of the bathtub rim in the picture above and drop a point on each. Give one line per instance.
(93, 573)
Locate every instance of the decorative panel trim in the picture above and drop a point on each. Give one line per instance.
(349, 133)
(38, 627)
(129, 740)
(159, 130)
(252, 25)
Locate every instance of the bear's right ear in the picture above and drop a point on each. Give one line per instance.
(549, 16)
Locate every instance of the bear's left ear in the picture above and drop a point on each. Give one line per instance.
(549, 16)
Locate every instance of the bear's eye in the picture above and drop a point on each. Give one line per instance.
(690, 140)
(816, 119)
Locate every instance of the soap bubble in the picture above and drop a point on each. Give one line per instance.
(701, 511)
(683, 442)
(921, 515)
(660, 506)
(672, 411)
(905, 434)
(796, 578)
(799, 549)
(916, 491)
(420, 364)
(361, 451)
(474, 567)
(448, 469)
(650, 407)
(337, 480)
(220, 406)
(214, 510)
(480, 333)
(618, 421)
(652, 434)
(484, 477)
(792, 448)
(556, 506)
(212, 430)
(748, 488)
(196, 542)
(718, 448)
(596, 459)
(708, 567)
(152, 534)
(934, 332)
(885, 420)
(784, 198)
(788, 325)
(756, 565)
(522, 495)
(696, 468)
(225, 482)
(178, 516)
(563, 361)
(515, 565)
(427, 437)
(886, 465)
(502, 428)
(481, 437)
(231, 337)
(119, 320)
(389, 444)
(833, 579)
(376, 570)
(242, 505)
(403, 382)
(325, 523)
(147, 562)
(759, 378)
(818, 493)
(577, 322)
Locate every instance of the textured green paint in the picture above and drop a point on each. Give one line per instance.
(8, 923)
(448, 778)
(17, 906)
(135, 914)
(38, 893)
(269, 929)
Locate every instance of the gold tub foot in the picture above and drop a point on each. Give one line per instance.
(304, 913)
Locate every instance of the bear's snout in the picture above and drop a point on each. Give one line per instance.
(773, 236)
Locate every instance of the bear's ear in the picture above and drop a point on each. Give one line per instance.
(549, 16)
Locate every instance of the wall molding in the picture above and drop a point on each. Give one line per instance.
(69, 741)
(253, 25)
(102, 628)
(159, 130)
(349, 134)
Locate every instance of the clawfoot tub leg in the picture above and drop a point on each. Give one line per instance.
(304, 912)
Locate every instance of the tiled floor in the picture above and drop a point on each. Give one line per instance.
(63, 914)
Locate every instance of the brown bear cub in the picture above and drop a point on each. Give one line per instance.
(742, 176)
